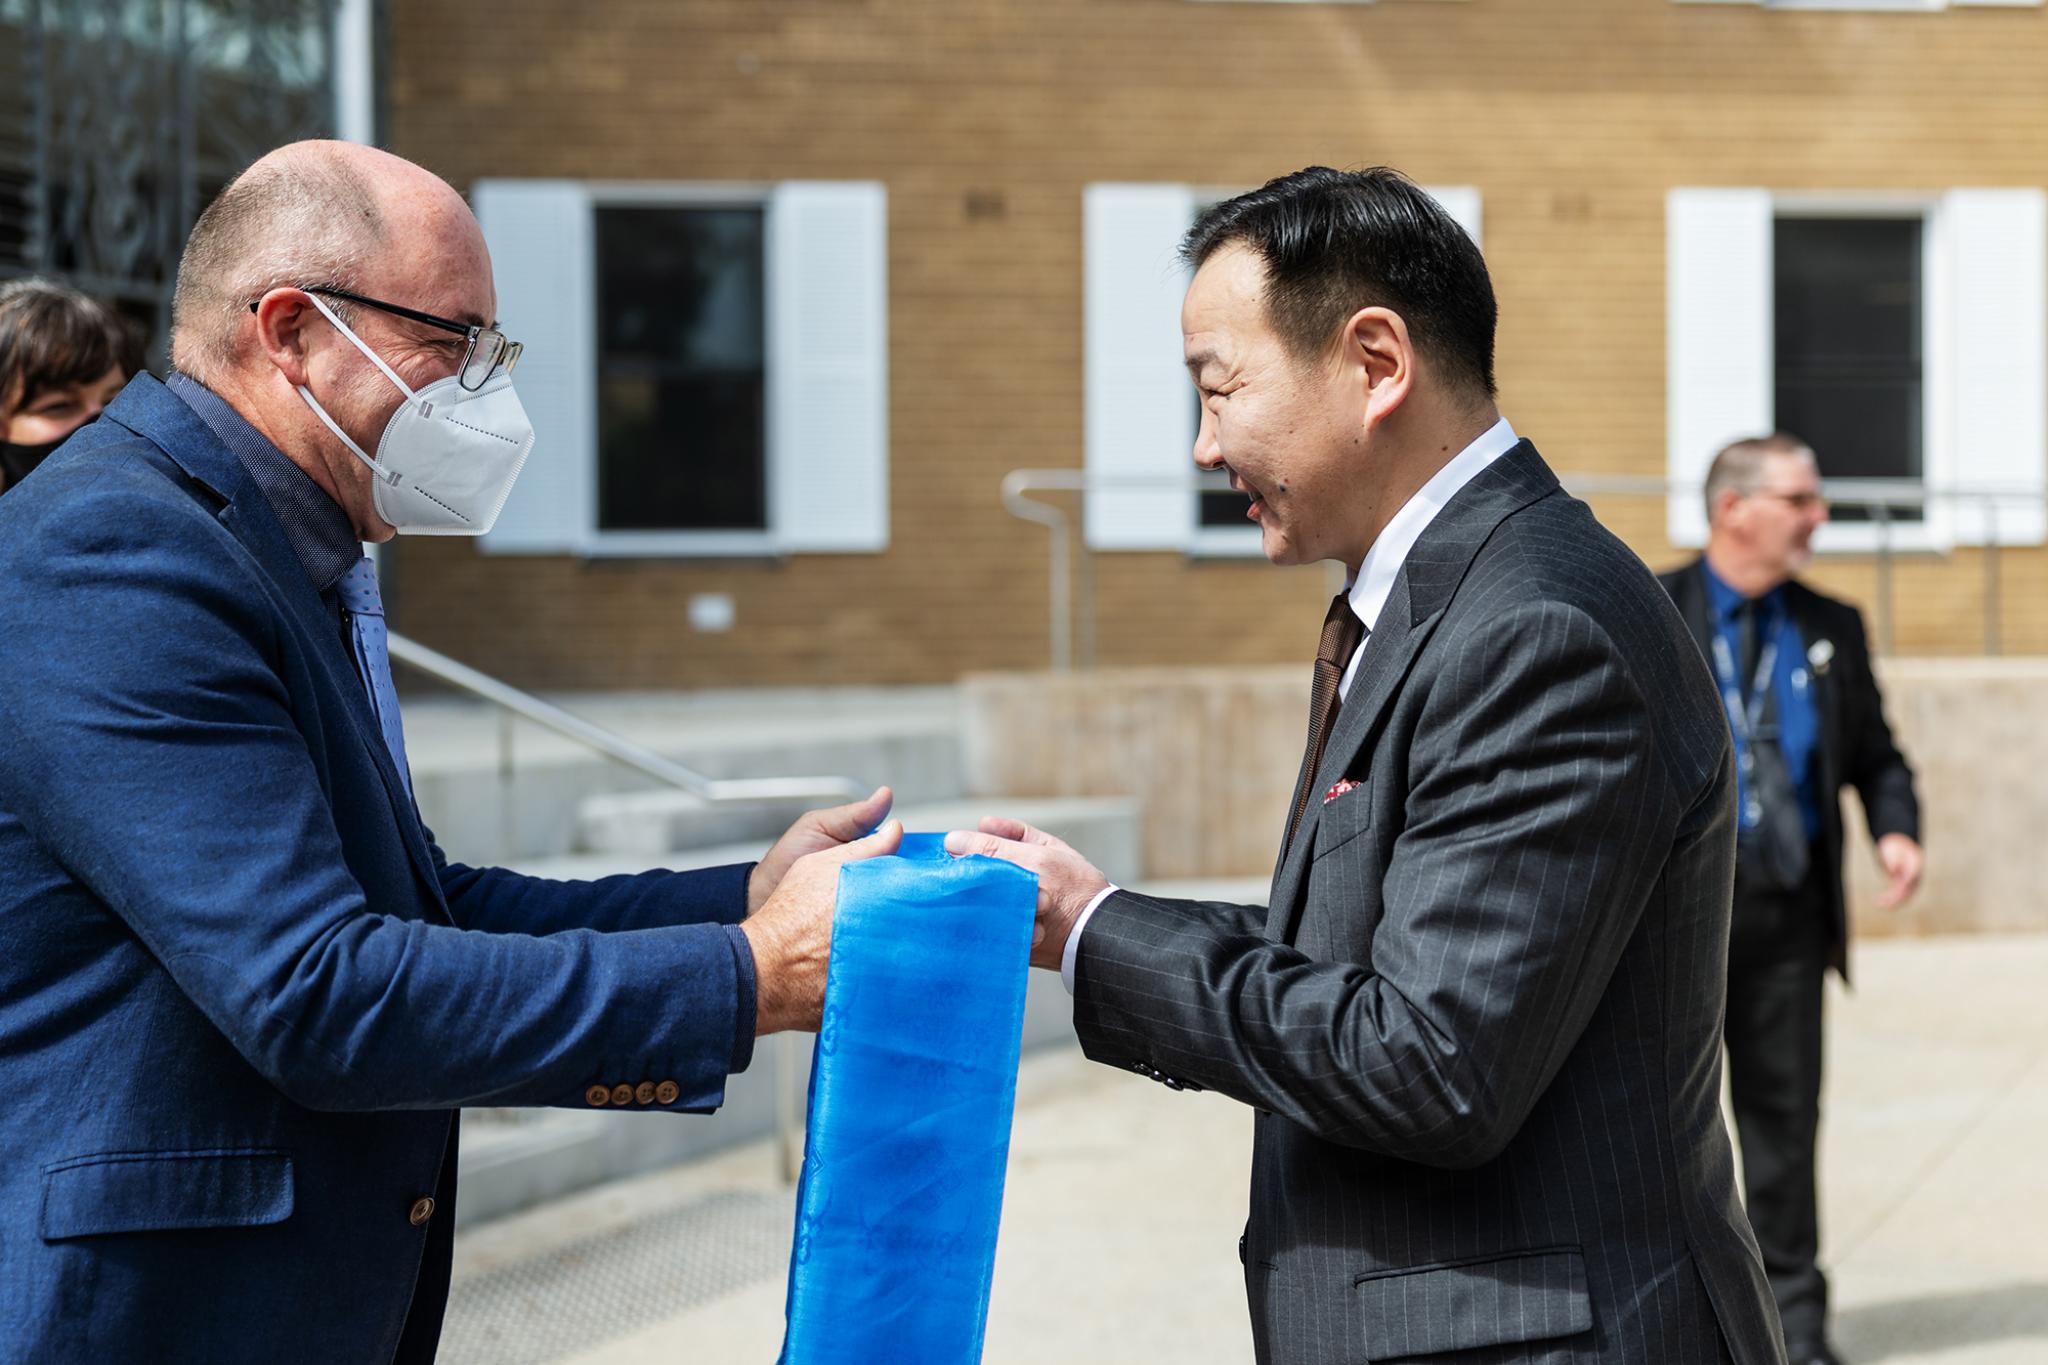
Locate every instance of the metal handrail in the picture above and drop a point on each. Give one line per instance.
(1884, 497)
(1059, 589)
(551, 717)
(789, 1126)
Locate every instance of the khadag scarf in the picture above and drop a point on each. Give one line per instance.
(913, 1081)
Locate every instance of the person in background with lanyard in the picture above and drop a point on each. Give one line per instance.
(1794, 672)
(63, 357)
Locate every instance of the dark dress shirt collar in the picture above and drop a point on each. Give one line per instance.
(319, 531)
(1724, 601)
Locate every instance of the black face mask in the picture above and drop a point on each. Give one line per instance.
(17, 460)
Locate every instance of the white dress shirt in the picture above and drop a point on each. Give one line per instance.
(1368, 588)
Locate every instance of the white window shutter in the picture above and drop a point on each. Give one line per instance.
(1719, 377)
(1462, 203)
(543, 257)
(1139, 407)
(828, 366)
(1996, 243)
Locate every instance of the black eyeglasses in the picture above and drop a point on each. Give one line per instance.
(488, 349)
(1803, 500)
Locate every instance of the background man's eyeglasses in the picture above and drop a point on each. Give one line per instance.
(1804, 501)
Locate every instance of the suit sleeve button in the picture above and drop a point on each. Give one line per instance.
(643, 1093)
(422, 1210)
(622, 1093)
(667, 1092)
(597, 1097)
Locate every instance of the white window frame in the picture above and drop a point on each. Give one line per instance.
(685, 544)
(1944, 338)
(1935, 530)
(813, 506)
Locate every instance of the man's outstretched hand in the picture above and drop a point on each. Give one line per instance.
(814, 832)
(791, 935)
(1066, 880)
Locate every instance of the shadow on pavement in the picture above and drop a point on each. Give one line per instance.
(1975, 1317)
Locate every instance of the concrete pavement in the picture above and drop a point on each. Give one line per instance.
(1124, 1202)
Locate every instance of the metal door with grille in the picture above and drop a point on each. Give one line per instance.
(121, 119)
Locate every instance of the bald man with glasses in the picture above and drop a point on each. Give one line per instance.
(1803, 706)
(243, 991)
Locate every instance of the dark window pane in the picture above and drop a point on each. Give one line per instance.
(1848, 336)
(1226, 508)
(1216, 502)
(681, 370)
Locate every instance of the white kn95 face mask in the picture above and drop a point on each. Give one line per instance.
(448, 457)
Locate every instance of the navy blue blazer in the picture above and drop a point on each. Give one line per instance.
(242, 992)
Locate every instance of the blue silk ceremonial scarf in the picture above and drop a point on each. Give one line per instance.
(912, 1086)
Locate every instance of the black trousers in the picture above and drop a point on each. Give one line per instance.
(1777, 958)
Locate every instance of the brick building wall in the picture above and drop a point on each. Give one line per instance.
(987, 118)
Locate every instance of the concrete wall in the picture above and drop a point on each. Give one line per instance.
(986, 121)
(1214, 753)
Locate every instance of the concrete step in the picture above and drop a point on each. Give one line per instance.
(1105, 828)
(906, 737)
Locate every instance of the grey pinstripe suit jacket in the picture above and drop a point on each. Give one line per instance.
(1481, 1021)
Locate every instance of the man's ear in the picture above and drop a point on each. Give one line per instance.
(1724, 504)
(1377, 346)
(283, 320)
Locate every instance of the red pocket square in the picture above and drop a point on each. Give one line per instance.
(1337, 789)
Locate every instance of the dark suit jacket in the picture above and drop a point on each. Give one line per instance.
(1481, 1021)
(1855, 748)
(242, 993)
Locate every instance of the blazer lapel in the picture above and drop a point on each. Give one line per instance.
(1388, 656)
(159, 416)
(1691, 599)
(1799, 604)
(1421, 593)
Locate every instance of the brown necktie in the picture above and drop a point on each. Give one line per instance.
(1342, 634)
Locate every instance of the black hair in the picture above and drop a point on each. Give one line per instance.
(1334, 242)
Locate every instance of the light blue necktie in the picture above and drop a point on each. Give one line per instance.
(365, 607)
(912, 1086)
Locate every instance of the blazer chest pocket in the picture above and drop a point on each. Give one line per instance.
(1344, 817)
(1460, 1305)
(91, 1196)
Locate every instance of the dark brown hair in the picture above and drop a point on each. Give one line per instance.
(52, 336)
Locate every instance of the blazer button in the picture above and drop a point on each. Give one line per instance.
(622, 1093)
(667, 1092)
(597, 1097)
(422, 1210)
(643, 1093)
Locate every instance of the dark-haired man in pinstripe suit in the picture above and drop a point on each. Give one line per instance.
(1481, 1019)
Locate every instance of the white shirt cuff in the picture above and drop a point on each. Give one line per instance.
(1073, 948)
